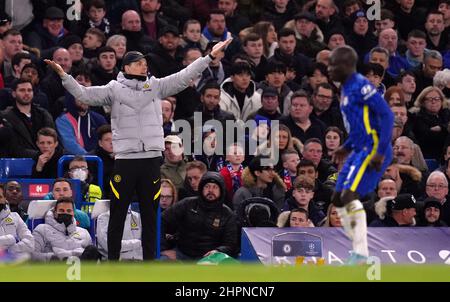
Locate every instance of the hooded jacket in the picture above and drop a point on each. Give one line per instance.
(78, 133)
(228, 101)
(136, 116)
(14, 234)
(54, 239)
(274, 191)
(131, 239)
(201, 225)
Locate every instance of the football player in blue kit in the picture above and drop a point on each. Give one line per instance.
(369, 122)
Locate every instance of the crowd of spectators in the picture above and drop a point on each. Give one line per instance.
(275, 69)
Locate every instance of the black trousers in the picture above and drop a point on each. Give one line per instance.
(140, 176)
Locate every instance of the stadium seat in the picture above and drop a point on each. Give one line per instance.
(37, 210)
(432, 164)
(16, 167)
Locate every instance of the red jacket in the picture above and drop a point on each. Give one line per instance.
(228, 181)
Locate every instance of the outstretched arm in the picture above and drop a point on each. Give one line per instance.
(93, 96)
(177, 82)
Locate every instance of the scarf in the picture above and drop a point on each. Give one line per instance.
(235, 178)
(287, 179)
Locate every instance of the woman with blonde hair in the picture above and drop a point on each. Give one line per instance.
(168, 195)
(432, 121)
(332, 219)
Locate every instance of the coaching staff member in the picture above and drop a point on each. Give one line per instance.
(136, 122)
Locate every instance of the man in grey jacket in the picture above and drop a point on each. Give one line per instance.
(136, 122)
(59, 237)
(14, 234)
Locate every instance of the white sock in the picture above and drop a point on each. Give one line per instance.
(345, 221)
(358, 223)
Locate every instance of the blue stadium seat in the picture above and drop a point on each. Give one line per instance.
(37, 211)
(432, 164)
(16, 167)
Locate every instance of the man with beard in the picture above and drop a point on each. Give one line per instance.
(152, 21)
(437, 36)
(26, 119)
(166, 56)
(77, 127)
(204, 225)
(59, 237)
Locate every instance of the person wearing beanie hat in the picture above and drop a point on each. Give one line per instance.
(360, 37)
(269, 104)
(138, 140)
(204, 224)
(431, 214)
(74, 45)
(335, 39)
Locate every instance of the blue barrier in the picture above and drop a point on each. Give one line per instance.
(16, 167)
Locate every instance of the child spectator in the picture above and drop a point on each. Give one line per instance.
(301, 198)
(232, 172)
(93, 39)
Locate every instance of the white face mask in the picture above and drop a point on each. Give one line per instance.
(79, 174)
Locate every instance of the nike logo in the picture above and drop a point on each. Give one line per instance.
(156, 181)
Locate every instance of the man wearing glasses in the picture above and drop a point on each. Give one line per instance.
(260, 181)
(437, 187)
(323, 98)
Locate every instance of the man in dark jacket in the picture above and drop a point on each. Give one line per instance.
(203, 225)
(104, 150)
(26, 120)
(210, 109)
(166, 57)
(46, 161)
(287, 53)
(400, 211)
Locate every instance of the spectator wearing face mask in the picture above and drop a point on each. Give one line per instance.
(59, 237)
(78, 169)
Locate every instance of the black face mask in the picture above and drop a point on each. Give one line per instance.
(135, 77)
(2, 206)
(64, 218)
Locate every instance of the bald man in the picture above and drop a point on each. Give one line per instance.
(388, 39)
(131, 28)
(51, 84)
(369, 122)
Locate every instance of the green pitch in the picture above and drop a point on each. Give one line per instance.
(238, 273)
